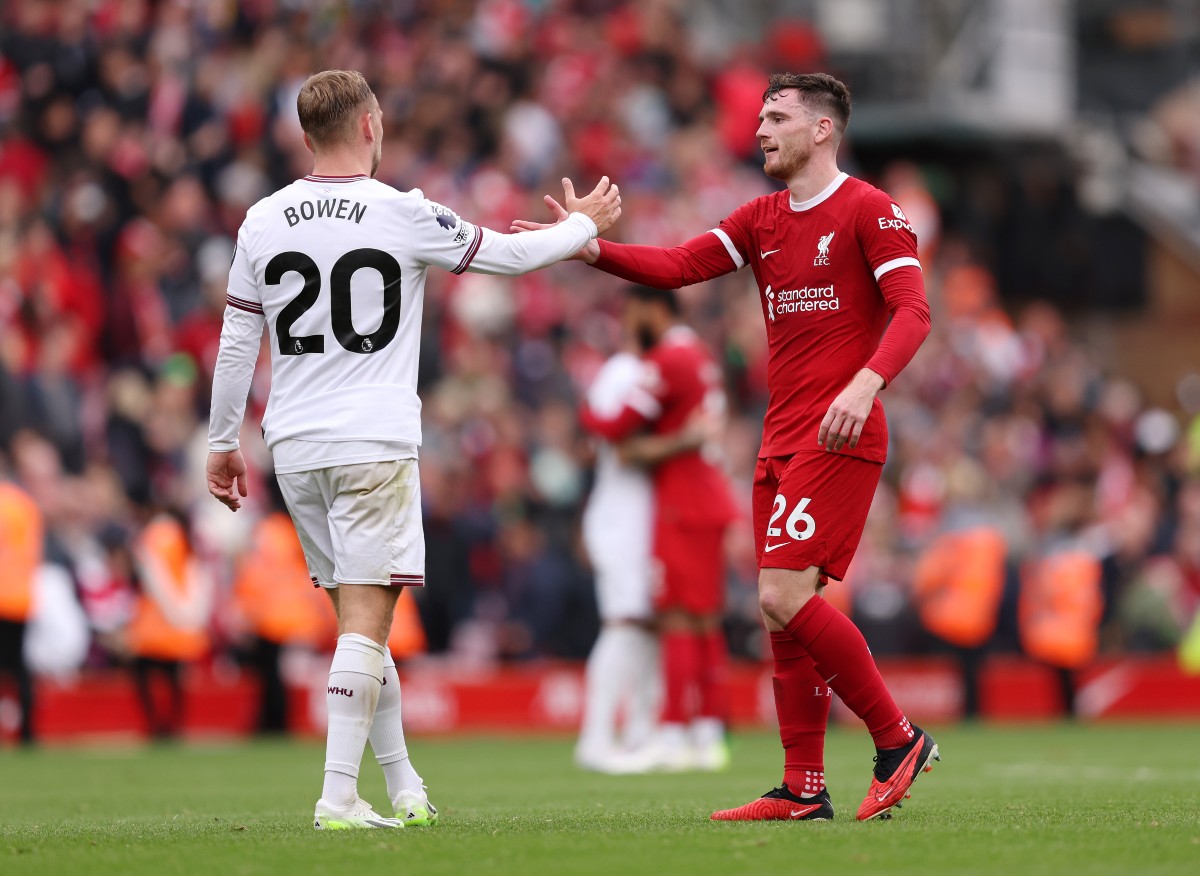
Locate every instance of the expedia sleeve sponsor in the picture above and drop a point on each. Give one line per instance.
(897, 221)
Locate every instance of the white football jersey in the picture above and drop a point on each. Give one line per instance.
(618, 515)
(336, 268)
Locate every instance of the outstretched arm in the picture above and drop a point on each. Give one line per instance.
(584, 217)
(699, 259)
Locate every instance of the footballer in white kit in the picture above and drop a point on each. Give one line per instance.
(621, 669)
(334, 266)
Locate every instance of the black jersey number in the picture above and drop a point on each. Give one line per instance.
(340, 301)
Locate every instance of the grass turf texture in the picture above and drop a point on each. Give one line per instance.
(1051, 799)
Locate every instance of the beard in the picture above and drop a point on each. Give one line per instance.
(785, 165)
(646, 338)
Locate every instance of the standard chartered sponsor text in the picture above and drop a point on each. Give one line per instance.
(806, 299)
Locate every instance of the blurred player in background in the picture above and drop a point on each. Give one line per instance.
(833, 257)
(679, 385)
(616, 533)
(334, 265)
(617, 526)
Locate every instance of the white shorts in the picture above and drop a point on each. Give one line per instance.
(623, 577)
(623, 592)
(359, 524)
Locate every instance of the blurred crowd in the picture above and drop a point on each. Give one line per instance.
(135, 134)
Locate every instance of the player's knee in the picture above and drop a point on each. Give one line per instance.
(783, 592)
(773, 603)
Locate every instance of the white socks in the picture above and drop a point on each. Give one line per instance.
(645, 695)
(387, 736)
(621, 667)
(351, 697)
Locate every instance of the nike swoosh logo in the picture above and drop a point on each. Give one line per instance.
(770, 547)
(884, 795)
(763, 255)
(800, 813)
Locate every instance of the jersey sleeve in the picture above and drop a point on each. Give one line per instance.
(241, 329)
(886, 236)
(242, 291)
(889, 245)
(440, 237)
(641, 406)
(736, 233)
(699, 259)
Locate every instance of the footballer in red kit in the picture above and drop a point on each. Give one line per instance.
(844, 304)
(693, 506)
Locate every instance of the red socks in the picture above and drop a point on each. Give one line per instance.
(835, 644)
(682, 659)
(714, 665)
(802, 703)
(694, 683)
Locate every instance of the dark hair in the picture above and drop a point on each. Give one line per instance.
(818, 91)
(665, 297)
(328, 102)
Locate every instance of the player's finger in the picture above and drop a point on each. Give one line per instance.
(601, 187)
(241, 484)
(568, 189)
(835, 432)
(857, 433)
(823, 434)
(559, 211)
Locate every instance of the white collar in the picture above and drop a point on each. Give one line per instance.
(825, 195)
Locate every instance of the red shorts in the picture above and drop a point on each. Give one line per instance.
(689, 568)
(810, 510)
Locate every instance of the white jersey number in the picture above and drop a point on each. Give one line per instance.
(340, 301)
(797, 516)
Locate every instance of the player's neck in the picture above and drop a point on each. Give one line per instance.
(341, 162)
(813, 179)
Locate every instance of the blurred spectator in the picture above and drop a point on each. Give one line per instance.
(20, 557)
(169, 627)
(277, 608)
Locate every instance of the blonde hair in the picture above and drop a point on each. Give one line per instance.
(328, 103)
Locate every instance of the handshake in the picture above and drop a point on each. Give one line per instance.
(602, 205)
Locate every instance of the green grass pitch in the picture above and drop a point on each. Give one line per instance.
(1061, 799)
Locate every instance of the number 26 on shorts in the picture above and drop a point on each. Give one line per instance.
(799, 517)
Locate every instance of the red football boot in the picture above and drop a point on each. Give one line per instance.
(895, 771)
(780, 805)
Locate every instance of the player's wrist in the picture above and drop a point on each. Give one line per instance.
(872, 380)
(588, 222)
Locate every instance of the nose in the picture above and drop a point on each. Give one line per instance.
(759, 133)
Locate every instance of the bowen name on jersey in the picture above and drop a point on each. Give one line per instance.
(327, 208)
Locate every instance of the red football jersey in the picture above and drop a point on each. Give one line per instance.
(818, 264)
(680, 380)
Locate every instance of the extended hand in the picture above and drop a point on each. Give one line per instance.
(224, 471)
(843, 423)
(602, 205)
(607, 206)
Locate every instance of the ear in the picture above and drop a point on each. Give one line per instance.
(308, 145)
(825, 130)
(368, 130)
